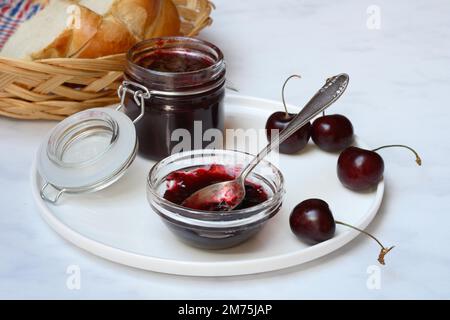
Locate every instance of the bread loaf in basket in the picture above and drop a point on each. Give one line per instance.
(70, 56)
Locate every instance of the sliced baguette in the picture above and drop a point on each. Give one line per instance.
(103, 27)
(112, 37)
(76, 35)
(37, 33)
(137, 15)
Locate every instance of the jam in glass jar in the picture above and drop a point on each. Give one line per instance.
(185, 78)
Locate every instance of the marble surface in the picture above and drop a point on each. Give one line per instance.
(398, 94)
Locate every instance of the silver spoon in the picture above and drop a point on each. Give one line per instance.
(229, 194)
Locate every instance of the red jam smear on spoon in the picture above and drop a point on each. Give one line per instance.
(182, 184)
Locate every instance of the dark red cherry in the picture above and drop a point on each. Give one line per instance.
(312, 221)
(360, 169)
(279, 120)
(296, 142)
(332, 132)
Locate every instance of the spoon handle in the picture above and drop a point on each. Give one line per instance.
(329, 93)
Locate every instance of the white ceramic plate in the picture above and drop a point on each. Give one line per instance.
(117, 223)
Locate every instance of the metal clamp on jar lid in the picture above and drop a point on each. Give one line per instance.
(91, 149)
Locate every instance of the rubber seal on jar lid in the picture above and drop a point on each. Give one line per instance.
(87, 151)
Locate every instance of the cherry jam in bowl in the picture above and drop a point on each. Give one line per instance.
(174, 178)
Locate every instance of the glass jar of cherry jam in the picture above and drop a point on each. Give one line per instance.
(185, 77)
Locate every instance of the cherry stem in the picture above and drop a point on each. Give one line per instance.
(384, 250)
(282, 91)
(418, 159)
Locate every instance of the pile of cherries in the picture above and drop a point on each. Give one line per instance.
(358, 169)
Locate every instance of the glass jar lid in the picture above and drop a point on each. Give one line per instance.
(86, 152)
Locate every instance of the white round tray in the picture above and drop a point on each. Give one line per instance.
(118, 224)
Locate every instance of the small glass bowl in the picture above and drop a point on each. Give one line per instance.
(213, 229)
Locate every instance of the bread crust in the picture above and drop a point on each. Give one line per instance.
(74, 37)
(137, 15)
(167, 22)
(112, 37)
(85, 31)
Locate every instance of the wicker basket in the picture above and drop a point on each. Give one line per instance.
(57, 88)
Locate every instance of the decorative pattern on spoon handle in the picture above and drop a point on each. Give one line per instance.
(326, 96)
